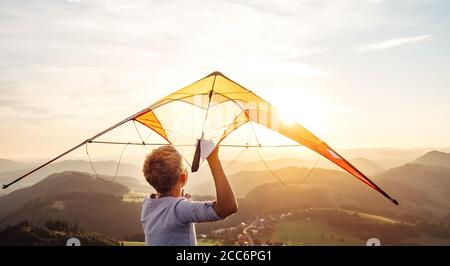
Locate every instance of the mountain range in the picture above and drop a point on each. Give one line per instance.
(103, 168)
(422, 190)
(434, 158)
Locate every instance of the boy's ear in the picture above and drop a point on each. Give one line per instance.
(183, 177)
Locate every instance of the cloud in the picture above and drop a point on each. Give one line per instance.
(391, 43)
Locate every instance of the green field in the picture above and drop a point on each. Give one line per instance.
(132, 243)
(134, 197)
(200, 242)
(366, 216)
(209, 242)
(310, 232)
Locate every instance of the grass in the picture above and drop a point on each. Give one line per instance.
(134, 197)
(132, 243)
(312, 232)
(209, 242)
(366, 216)
(200, 242)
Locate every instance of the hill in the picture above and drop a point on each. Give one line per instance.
(433, 180)
(244, 181)
(366, 166)
(107, 168)
(99, 207)
(421, 190)
(10, 165)
(66, 182)
(77, 197)
(434, 158)
(26, 234)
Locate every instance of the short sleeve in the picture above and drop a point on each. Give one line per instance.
(144, 208)
(196, 211)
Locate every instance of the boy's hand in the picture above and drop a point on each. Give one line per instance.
(186, 195)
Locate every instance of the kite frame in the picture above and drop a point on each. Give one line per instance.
(161, 103)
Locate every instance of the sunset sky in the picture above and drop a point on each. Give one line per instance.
(358, 73)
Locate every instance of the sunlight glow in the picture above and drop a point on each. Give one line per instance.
(305, 108)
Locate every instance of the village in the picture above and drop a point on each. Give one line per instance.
(255, 232)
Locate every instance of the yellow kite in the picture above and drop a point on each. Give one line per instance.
(207, 112)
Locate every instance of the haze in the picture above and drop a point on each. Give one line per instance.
(356, 73)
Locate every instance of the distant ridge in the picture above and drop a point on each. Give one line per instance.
(434, 158)
(59, 183)
(101, 167)
(367, 166)
(10, 165)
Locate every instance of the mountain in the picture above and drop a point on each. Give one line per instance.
(366, 166)
(77, 197)
(244, 181)
(421, 190)
(385, 157)
(202, 180)
(99, 207)
(65, 182)
(101, 167)
(242, 165)
(434, 158)
(384, 153)
(10, 165)
(345, 192)
(390, 163)
(434, 180)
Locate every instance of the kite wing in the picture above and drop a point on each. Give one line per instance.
(211, 109)
(217, 95)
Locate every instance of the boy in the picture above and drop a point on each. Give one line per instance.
(168, 218)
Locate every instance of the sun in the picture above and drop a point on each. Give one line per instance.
(309, 111)
(287, 115)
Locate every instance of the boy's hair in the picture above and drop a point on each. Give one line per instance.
(162, 168)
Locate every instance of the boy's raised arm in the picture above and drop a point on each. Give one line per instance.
(226, 203)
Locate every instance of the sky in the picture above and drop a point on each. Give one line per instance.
(357, 73)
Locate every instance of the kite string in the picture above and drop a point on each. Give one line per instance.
(192, 145)
(270, 170)
(280, 180)
(139, 134)
(240, 153)
(273, 173)
(235, 158)
(117, 167)
(137, 130)
(309, 173)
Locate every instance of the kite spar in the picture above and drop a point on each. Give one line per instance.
(5, 186)
(218, 98)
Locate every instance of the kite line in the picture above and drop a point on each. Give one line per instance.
(193, 145)
(117, 167)
(5, 186)
(273, 172)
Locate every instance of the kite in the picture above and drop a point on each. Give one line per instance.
(212, 110)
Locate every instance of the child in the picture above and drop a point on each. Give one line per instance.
(168, 218)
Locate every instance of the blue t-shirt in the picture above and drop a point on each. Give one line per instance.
(169, 221)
